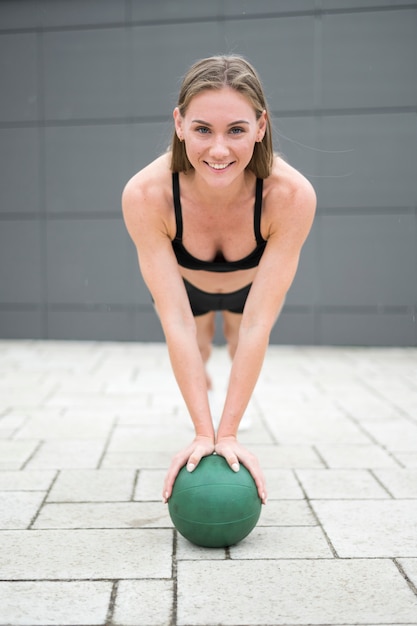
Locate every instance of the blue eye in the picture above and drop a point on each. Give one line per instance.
(237, 130)
(203, 130)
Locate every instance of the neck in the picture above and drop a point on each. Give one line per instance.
(220, 195)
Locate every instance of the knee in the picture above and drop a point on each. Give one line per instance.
(231, 334)
(205, 338)
(205, 348)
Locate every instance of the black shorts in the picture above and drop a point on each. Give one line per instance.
(202, 302)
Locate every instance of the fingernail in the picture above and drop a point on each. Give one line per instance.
(190, 467)
(235, 467)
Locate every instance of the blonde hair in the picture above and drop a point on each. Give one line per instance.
(215, 73)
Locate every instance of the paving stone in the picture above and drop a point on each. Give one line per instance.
(364, 528)
(164, 402)
(406, 459)
(24, 396)
(34, 411)
(104, 531)
(402, 483)
(286, 513)
(9, 424)
(67, 454)
(355, 457)
(158, 459)
(282, 485)
(6, 433)
(340, 484)
(37, 480)
(286, 456)
(366, 408)
(85, 554)
(14, 454)
(296, 592)
(144, 603)
(155, 415)
(92, 486)
(17, 509)
(149, 485)
(188, 551)
(310, 428)
(283, 543)
(399, 435)
(131, 439)
(66, 427)
(46, 603)
(254, 434)
(104, 515)
(95, 401)
(78, 383)
(301, 404)
(410, 568)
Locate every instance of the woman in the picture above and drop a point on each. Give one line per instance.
(218, 222)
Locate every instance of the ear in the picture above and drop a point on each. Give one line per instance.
(178, 123)
(262, 125)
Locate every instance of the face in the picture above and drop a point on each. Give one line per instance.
(220, 130)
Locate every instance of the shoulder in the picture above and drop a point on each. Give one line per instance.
(149, 184)
(147, 196)
(287, 185)
(289, 198)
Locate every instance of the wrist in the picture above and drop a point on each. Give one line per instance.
(204, 428)
(204, 436)
(225, 437)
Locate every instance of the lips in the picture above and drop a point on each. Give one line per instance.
(218, 166)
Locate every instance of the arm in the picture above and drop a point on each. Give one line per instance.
(147, 225)
(274, 277)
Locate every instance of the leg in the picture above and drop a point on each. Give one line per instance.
(231, 325)
(205, 325)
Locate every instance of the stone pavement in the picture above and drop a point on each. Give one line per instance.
(87, 431)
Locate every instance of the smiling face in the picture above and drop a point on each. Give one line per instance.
(220, 130)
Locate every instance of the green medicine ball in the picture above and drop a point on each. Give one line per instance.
(213, 506)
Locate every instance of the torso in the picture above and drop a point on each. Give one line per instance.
(212, 227)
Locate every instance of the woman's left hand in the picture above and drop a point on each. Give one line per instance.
(235, 453)
(190, 456)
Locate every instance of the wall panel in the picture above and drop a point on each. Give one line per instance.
(88, 88)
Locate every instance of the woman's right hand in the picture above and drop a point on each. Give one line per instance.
(234, 453)
(190, 456)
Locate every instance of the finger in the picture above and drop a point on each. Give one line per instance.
(233, 462)
(262, 492)
(167, 489)
(195, 459)
(172, 474)
(261, 487)
(252, 465)
(258, 477)
(201, 448)
(259, 482)
(190, 460)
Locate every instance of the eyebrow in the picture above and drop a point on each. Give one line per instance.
(237, 122)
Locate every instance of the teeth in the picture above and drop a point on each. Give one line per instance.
(218, 166)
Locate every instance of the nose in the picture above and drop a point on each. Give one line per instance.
(219, 148)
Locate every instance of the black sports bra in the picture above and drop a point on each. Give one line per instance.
(219, 264)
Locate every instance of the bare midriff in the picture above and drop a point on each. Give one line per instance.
(219, 282)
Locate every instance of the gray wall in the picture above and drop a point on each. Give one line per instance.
(87, 90)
